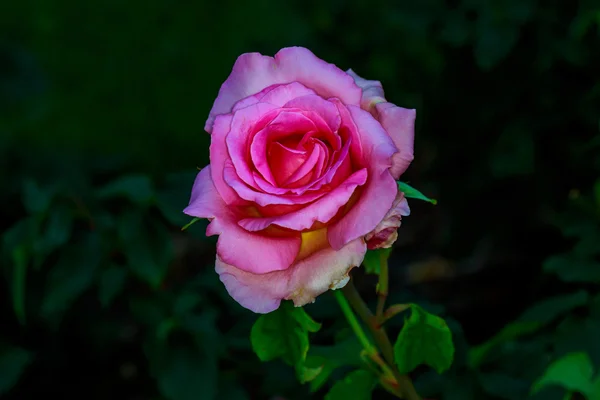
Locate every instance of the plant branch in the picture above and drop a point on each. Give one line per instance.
(382, 286)
(381, 339)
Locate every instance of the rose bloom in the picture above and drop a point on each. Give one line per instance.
(304, 159)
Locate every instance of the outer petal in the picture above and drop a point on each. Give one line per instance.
(253, 72)
(386, 232)
(247, 251)
(302, 282)
(397, 121)
(372, 91)
(400, 124)
(380, 190)
(219, 156)
(277, 95)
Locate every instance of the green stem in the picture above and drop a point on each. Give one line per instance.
(381, 338)
(354, 324)
(382, 286)
(369, 350)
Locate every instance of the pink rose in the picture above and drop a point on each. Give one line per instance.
(303, 163)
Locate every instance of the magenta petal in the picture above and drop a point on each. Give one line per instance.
(260, 198)
(243, 126)
(321, 210)
(301, 283)
(380, 190)
(372, 91)
(397, 121)
(314, 103)
(400, 125)
(247, 251)
(277, 95)
(253, 72)
(219, 155)
(306, 167)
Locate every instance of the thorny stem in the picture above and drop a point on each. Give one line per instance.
(380, 337)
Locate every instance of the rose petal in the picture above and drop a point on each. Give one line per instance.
(277, 95)
(372, 91)
(386, 232)
(322, 210)
(253, 72)
(219, 155)
(314, 103)
(349, 131)
(282, 126)
(244, 124)
(247, 251)
(400, 125)
(397, 121)
(380, 190)
(302, 282)
(261, 198)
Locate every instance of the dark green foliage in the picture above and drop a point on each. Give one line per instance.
(102, 107)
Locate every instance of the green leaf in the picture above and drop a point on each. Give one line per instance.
(137, 188)
(192, 222)
(112, 281)
(570, 268)
(73, 273)
(494, 42)
(424, 339)
(548, 310)
(20, 261)
(57, 230)
(174, 196)
(357, 385)
(147, 246)
(573, 372)
(283, 334)
(35, 198)
(13, 361)
(504, 386)
(329, 358)
(374, 258)
(511, 331)
(183, 373)
(412, 193)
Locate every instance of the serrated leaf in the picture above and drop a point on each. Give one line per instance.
(13, 362)
(573, 372)
(283, 334)
(73, 273)
(137, 188)
(412, 193)
(424, 339)
(112, 281)
(357, 385)
(374, 258)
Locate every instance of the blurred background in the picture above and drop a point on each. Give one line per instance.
(102, 108)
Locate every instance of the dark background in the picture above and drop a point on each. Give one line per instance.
(102, 108)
